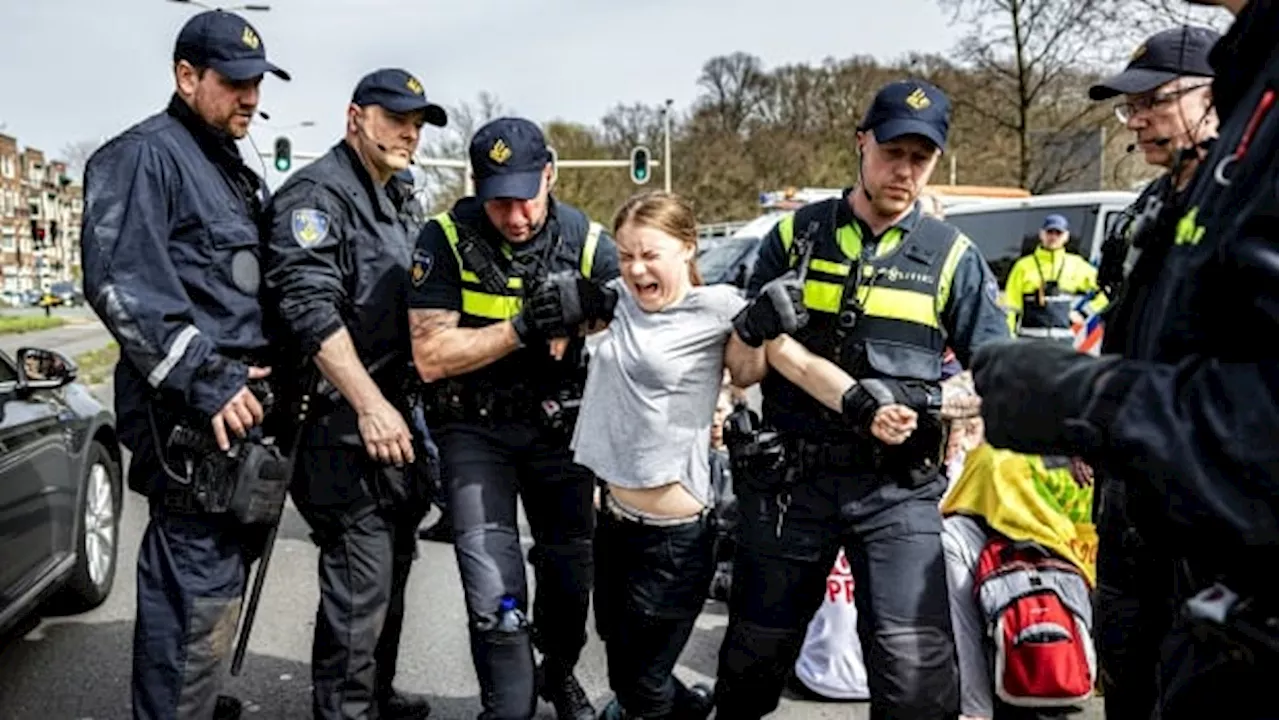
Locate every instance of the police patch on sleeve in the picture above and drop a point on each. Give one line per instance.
(420, 268)
(310, 226)
(992, 289)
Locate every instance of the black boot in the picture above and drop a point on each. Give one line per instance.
(227, 708)
(441, 531)
(562, 690)
(693, 703)
(397, 705)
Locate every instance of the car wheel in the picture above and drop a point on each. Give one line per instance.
(95, 569)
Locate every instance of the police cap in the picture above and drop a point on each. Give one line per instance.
(1179, 52)
(397, 91)
(507, 157)
(226, 43)
(909, 107)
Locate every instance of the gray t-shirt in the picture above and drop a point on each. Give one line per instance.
(651, 391)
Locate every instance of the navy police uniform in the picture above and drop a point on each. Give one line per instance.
(171, 265)
(1132, 607)
(339, 258)
(880, 307)
(504, 429)
(1181, 409)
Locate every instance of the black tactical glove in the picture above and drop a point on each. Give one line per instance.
(597, 299)
(1035, 396)
(548, 310)
(860, 402)
(778, 309)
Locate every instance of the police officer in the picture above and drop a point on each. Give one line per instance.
(887, 288)
(1168, 107)
(1044, 287)
(1164, 100)
(489, 342)
(1181, 411)
(338, 268)
(171, 266)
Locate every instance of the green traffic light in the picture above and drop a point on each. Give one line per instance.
(282, 164)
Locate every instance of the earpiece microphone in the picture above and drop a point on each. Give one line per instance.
(370, 137)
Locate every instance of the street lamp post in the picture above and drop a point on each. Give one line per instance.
(666, 145)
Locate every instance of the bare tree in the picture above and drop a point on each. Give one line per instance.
(1023, 49)
(734, 85)
(1152, 16)
(626, 126)
(77, 155)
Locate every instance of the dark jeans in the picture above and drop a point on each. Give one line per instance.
(191, 578)
(1132, 607)
(891, 535)
(485, 469)
(366, 552)
(651, 584)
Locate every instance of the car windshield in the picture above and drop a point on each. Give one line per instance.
(719, 263)
(1003, 236)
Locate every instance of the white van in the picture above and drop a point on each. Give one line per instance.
(1005, 230)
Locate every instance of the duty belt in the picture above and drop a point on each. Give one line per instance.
(860, 456)
(452, 401)
(852, 455)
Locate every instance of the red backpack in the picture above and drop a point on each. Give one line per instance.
(1039, 618)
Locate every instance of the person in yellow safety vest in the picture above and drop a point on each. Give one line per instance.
(1044, 287)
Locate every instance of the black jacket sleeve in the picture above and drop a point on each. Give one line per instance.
(131, 282)
(436, 280)
(972, 315)
(302, 271)
(771, 262)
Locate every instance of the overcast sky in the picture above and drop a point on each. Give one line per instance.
(85, 69)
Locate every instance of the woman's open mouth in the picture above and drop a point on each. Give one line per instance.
(647, 290)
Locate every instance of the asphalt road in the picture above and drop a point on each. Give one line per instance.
(77, 668)
(82, 333)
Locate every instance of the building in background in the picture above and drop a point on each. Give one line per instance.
(40, 209)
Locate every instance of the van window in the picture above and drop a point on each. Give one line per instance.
(1003, 236)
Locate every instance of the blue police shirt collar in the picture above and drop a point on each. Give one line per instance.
(381, 202)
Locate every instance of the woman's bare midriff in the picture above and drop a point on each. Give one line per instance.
(668, 501)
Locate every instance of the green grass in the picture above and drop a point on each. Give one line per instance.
(29, 323)
(96, 365)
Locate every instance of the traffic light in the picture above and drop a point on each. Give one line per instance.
(284, 154)
(640, 165)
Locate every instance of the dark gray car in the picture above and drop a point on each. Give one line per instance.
(60, 487)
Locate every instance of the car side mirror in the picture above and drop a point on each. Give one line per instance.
(40, 369)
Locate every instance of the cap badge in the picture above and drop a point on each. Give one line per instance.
(1142, 49)
(499, 153)
(250, 38)
(414, 86)
(917, 100)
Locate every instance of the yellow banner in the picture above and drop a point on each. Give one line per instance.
(1020, 498)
